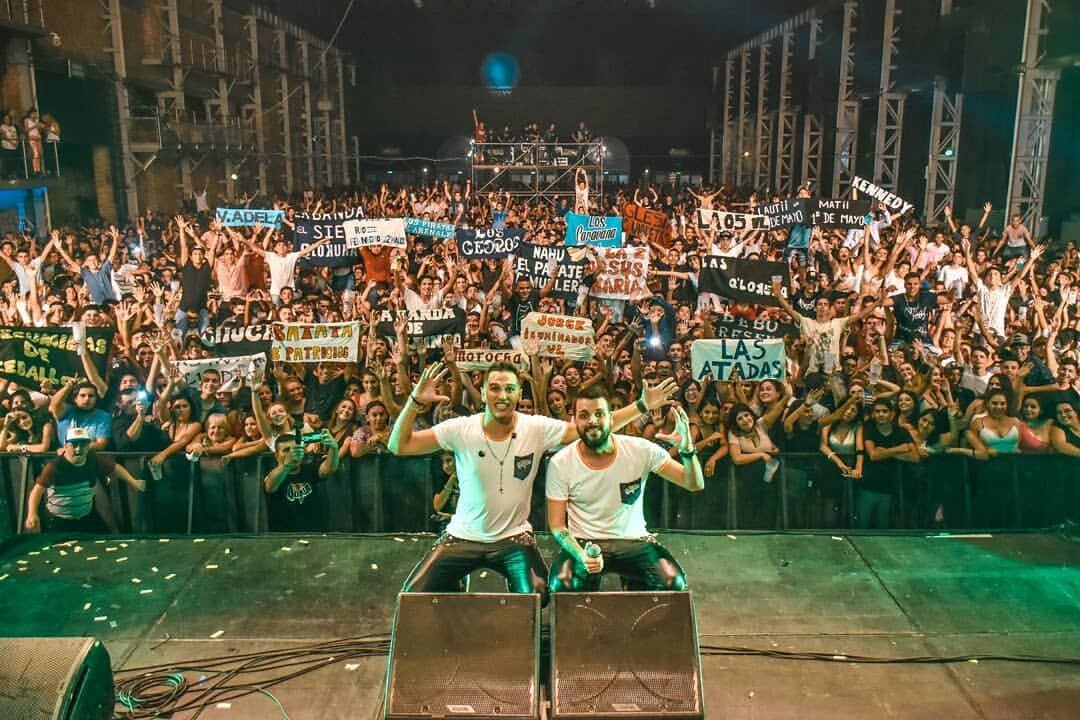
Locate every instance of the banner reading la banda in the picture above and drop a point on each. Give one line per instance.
(308, 343)
(561, 336)
(746, 359)
(30, 356)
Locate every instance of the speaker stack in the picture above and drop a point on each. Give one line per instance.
(613, 655)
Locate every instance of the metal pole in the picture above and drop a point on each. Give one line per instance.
(845, 150)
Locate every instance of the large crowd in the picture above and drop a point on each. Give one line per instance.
(907, 346)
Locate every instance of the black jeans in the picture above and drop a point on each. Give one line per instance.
(643, 564)
(516, 558)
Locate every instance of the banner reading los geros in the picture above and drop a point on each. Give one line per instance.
(306, 343)
(561, 336)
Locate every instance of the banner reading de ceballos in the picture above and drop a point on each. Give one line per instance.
(29, 356)
(309, 343)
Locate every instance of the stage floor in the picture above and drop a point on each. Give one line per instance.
(876, 595)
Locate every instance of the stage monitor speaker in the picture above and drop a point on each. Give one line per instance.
(55, 679)
(625, 655)
(461, 655)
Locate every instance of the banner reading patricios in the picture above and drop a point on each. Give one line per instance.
(489, 242)
(308, 343)
(29, 356)
(744, 281)
(748, 359)
(430, 325)
(313, 227)
(249, 217)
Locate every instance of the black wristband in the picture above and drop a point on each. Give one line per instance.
(692, 453)
(642, 407)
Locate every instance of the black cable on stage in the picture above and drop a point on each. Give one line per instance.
(155, 691)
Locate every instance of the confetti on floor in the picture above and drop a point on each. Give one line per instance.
(145, 591)
(199, 540)
(211, 567)
(87, 606)
(91, 557)
(374, 566)
(216, 634)
(170, 576)
(121, 559)
(101, 618)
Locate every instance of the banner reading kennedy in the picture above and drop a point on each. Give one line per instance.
(29, 356)
(306, 343)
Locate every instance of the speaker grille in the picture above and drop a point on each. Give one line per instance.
(625, 655)
(465, 655)
(54, 679)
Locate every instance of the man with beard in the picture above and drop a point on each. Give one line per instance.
(497, 454)
(598, 483)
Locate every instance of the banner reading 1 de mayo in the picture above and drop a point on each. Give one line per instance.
(561, 336)
(896, 204)
(621, 273)
(751, 359)
(374, 231)
(731, 221)
(307, 343)
(233, 370)
(430, 228)
(469, 359)
(593, 230)
(313, 227)
(249, 217)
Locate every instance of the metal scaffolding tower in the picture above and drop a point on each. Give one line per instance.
(132, 161)
(343, 143)
(812, 150)
(847, 107)
(762, 121)
(745, 129)
(1034, 119)
(890, 114)
(307, 131)
(253, 109)
(944, 152)
(784, 175)
(283, 106)
(727, 143)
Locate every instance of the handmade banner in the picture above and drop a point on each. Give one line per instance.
(730, 221)
(239, 340)
(30, 356)
(494, 242)
(896, 204)
(728, 325)
(646, 224)
(749, 359)
(376, 231)
(744, 281)
(249, 217)
(593, 230)
(786, 213)
(560, 336)
(842, 214)
(234, 370)
(621, 273)
(532, 262)
(313, 227)
(309, 343)
(429, 325)
(469, 359)
(429, 228)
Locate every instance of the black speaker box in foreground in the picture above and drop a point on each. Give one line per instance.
(55, 679)
(461, 655)
(625, 655)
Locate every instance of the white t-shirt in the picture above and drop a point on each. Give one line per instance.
(494, 497)
(955, 278)
(414, 302)
(823, 339)
(605, 504)
(993, 304)
(282, 268)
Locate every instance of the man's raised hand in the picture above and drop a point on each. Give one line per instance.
(427, 388)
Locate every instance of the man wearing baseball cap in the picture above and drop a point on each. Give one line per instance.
(69, 483)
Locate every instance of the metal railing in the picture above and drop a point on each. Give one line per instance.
(384, 493)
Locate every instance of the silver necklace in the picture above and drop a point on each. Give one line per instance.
(500, 460)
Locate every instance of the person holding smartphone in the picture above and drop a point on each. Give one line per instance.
(294, 501)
